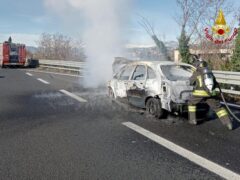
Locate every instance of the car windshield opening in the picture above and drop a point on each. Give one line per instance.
(176, 72)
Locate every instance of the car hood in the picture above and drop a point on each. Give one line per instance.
(119, 63)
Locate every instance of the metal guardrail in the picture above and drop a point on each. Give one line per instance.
(228, 77)
(224, 77)
(72, 66)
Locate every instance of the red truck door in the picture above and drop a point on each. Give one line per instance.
(22, 54)
(1, 54)
(5, 53)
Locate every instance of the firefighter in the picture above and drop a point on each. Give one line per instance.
(205, 85)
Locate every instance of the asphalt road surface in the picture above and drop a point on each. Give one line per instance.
(53, 128)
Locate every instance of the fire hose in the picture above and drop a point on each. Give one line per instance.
(225, 103)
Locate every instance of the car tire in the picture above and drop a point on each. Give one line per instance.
(154, 108)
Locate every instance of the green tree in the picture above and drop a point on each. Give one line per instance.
(235, 60)
(226, 66)
(184, 46)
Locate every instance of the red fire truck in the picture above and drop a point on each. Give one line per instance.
(12, 54)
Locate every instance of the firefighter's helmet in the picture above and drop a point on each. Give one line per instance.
(197, 62)
(207, 75)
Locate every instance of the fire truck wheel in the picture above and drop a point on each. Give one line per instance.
(153, 107)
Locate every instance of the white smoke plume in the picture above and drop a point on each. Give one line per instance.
(104, 23)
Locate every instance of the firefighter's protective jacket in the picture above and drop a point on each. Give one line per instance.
(202, 93)
(197, 80)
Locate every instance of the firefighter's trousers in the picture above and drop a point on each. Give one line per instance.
(214, 104)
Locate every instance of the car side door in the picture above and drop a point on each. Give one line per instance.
(122, 82)
(136, 87)
(152, 85)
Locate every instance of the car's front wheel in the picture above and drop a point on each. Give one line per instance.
(153, 107)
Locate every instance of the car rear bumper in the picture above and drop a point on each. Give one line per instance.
(183, 107)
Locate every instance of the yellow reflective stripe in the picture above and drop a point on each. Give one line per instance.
(192, 108)
(193, 69)
(200, 93)
(222, 113)
(199, 80)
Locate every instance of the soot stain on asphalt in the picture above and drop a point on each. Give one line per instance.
(50, 95)
(100, 105)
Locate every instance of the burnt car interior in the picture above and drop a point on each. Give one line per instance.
(176, 72)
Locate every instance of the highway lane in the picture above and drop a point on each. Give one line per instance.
(45, 134)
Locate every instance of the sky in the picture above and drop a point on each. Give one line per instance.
(25, 20)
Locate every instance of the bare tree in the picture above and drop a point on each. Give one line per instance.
(149, 28)
(190, 15)
(59, 46)
(44, 46)
(188, 19)
(217, 59)
(195, 16)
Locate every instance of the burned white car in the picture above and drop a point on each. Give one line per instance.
(157, 86)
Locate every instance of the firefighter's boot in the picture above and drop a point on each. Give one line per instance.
(192, 115)
(224, 118)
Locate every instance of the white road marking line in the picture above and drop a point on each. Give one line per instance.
(72, 75)
(78, 98)
(201, 161)
(29, 74)
(43, 81)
